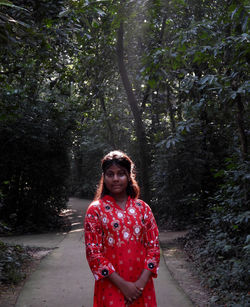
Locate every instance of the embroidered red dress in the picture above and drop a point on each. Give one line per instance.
(125, 241)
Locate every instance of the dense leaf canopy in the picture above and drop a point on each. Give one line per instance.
(165, 81)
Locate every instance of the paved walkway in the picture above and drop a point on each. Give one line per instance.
(63, 278)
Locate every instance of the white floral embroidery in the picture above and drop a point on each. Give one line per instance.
(126, 234)
(110, 240)
(120, 215)
(137, 230)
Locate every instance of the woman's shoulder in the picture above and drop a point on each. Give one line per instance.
(139, 201)
(142, 203)
(94, 205)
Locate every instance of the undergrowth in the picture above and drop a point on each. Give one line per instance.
(12, 258)
(225, 272)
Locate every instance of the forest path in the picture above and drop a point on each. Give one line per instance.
(63, 278)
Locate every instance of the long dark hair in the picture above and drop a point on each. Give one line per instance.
(119, 158)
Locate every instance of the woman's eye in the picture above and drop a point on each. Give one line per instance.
(109, 174)
(120, 174)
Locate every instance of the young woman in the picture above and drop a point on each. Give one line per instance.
(121, 237)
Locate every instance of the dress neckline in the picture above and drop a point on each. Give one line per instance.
(111, 200)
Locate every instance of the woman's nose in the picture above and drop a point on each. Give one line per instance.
(115, 178)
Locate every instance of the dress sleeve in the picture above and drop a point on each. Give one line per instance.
(100, 266)
(151, 241)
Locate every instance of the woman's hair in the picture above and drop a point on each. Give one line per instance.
(118, 158)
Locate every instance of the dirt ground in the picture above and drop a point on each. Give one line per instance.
(10, 293)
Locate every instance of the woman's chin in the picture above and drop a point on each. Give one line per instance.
(116, 191)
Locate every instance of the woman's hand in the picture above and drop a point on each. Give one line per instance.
(130, 291)
(140, 284)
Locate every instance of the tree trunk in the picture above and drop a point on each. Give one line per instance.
(139, 128)
(111, 138)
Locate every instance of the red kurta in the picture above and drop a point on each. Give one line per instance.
(125, 241)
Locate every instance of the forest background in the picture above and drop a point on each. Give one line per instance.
(165, 81)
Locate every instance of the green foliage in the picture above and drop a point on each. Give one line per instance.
(201, 160)
(87, 153)
(11, 260)
(37, 115)
(182, 170)
(34, 190)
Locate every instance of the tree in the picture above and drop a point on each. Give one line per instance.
(139, 127)
(35, 129)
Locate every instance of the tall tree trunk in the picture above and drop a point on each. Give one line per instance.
(111, 138)
(139, 128)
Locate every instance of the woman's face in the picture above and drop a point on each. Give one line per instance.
(116, 180)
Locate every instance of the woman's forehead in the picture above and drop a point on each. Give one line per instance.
(115, 167)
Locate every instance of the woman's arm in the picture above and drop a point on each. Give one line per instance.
(100, 266)
(151, 241)
(143, 279)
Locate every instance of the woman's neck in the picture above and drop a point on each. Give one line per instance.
(121, 199)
